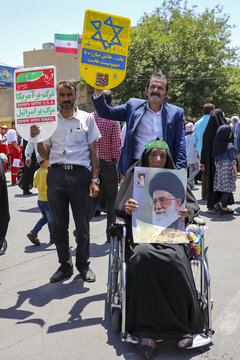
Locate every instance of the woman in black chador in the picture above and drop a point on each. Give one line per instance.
(161, 296)
(216, 120)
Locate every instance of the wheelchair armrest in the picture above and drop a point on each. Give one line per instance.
(116, 230)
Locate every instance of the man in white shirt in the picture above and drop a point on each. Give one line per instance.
(3, 143)
(72, 178)
(14, 152)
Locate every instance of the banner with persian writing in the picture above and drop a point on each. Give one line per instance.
(35, 101)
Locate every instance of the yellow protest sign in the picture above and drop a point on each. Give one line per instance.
(104, 47)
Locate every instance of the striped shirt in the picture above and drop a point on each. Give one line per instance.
(109, 146)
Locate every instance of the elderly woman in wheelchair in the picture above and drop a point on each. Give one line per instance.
(162, 301)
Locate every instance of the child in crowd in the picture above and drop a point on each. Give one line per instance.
(226, 169)
(40, 182)
(192, 159)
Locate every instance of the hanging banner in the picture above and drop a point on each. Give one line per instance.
(6, 76)
(35, 101)
(104, 48)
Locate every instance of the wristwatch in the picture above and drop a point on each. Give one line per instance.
(96, 181)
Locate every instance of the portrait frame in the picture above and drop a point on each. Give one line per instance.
(143, 227)
(137, 179)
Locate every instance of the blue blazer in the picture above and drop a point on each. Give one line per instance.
(132, 112)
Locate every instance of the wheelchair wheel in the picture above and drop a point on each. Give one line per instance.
(113, 288)
(3, 247)
(116, 319)
(202, 284)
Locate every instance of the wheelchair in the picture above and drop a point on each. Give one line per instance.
(3, 246)
(117, 280)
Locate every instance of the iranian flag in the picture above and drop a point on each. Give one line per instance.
(65, 43)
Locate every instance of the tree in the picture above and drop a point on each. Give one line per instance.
(192, 49)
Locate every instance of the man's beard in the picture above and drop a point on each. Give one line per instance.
(66, 105)
(165, 217)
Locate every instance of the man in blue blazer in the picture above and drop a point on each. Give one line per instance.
(146, 120)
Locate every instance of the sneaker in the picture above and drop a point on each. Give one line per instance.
(33, 238)
(61, 274)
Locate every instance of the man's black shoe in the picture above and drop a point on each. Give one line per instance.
(212, 211)
(60, 275)
(97, 213)
(88, 275)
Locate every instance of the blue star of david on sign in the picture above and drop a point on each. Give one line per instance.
(98, 36)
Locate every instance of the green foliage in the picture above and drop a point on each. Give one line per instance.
(81, 82)
(192, 49)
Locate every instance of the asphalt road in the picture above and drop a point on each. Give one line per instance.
(70, 320)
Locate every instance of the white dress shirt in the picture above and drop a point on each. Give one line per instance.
(148, 129)
(70, 142)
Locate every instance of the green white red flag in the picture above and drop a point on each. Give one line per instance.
(66, 43)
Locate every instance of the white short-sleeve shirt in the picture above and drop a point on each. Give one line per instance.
(70, 142)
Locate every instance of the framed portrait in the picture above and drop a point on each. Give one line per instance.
(161, 194)
(141, 178)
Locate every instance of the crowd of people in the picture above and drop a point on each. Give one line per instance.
(213, 150)
(83, 161)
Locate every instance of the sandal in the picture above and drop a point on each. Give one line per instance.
(227, 211)
(147, 347)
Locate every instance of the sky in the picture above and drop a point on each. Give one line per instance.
(26, 25)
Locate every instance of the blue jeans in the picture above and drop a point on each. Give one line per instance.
(193, 170)
(45, 219)
(224, 199)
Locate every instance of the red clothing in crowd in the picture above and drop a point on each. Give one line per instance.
(4, 146)
(15, 156)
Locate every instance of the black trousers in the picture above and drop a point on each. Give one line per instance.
(108, 188)
(70, 187)
(28, 173)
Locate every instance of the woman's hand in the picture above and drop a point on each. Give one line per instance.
(183, 213)
(130, 206)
